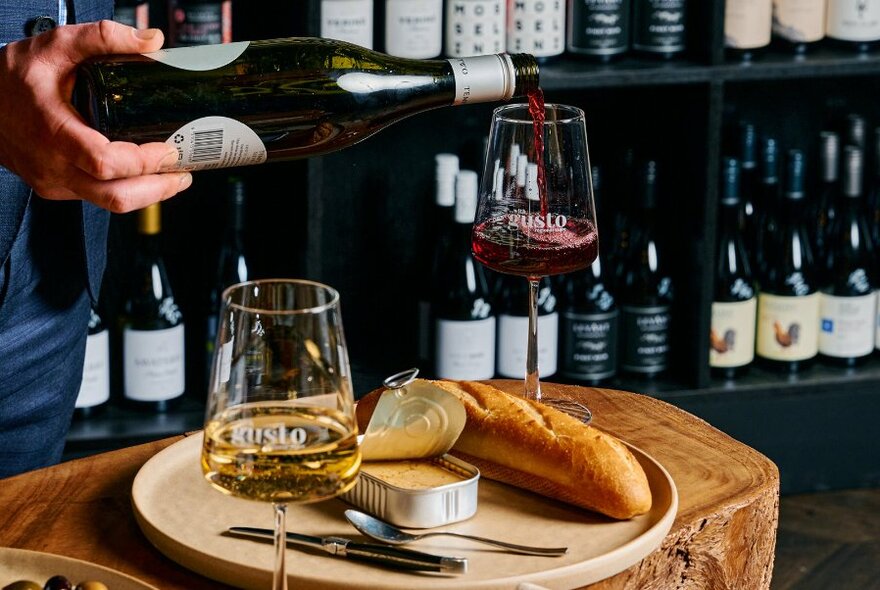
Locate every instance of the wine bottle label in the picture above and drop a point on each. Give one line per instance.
(659, 25)
(95, 387)
(475, 27)
(536, 27)
(788, 327)
(153, 364)
(645, 333)
(732, 335)
(599, 27)
(200, 59)
(216, 142)
(348, 20)
(853, 20)
(484, 78)
(200, 23)
(465, 349)
(414, 28)
(513, 333)
(137, 16)
(589, 345)
(747, 23)
(846, 325)
(799, 21)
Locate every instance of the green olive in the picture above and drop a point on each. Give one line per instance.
(23, 585)
(91, 585)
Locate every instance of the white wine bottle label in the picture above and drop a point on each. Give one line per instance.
(348, 20)
(536, 27)
(788, 327)
(475, 27)
(512, 347)
(589, 345)
(216, 142)
(153, 364)
(747, 23)
(200, 58)
(414, 28)
(465, 349)
(484, 78)
(846, 325)
(799, 21)
(732, 335)
(95, 387)
(645, 334)
(853, 20)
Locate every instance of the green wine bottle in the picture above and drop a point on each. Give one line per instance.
(250, 102)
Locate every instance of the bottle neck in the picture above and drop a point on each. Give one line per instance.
(488, 78)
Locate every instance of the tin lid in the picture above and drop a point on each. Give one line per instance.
(415, 420)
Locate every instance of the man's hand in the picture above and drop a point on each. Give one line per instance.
(45, 141)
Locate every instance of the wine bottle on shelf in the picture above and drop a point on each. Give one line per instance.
(316, 96)
(799, 24)
(824, 210)
(199, 22)
(410, 28)
(348, 20)
(151, 325)
(598, 29)
(134, 13)
(588, 317)
(438, 227)
(659, 27)
(475, 27)
(646, 289)
(873, 207)
(94, 391)
(625, 188)
(537, 28)
(233, 265)
(853, 23)
(848, 300)
(747, 27)
(856, 131)
(766, 206)
(464, 317)
(749, 183)
(788, 296)
(734, 305)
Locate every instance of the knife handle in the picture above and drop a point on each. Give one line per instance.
(405, 558)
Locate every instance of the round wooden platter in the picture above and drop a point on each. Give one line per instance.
(22, 564)
(184, 517)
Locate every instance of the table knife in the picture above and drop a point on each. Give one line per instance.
(382, 554)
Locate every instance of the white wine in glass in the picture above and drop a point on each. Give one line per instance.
(280, 424)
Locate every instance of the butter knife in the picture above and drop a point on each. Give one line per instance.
(382, 554)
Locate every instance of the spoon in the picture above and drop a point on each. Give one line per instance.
(387, 533)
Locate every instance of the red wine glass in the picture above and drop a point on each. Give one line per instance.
(536, 215)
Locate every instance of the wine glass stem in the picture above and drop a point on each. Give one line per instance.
(533, 386)
(279, 578)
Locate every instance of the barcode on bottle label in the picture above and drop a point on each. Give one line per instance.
(216, 142)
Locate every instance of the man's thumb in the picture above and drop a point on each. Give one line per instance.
(106, 37)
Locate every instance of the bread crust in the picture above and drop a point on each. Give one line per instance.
(536, 447)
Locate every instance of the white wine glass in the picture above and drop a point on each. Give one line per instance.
(280, 424)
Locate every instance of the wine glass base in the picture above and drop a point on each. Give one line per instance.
(570, 407)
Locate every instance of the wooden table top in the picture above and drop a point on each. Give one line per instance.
(723, 537)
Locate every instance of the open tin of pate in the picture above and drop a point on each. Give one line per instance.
(406, 476)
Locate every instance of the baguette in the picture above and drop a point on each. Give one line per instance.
(538, 448)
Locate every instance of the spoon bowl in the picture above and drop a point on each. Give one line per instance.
(387, 533)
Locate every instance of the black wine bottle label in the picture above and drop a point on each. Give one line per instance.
(475, 27)
(732, 335)
(788, 327)
(414, 28)
(95, 387)
(659, 25)
(645, 333)
(348, 20)
(589, 345)
(599, 27)
(153, 364)
(846, 325)
(536, 27)
(200, 23)
(137, 16)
